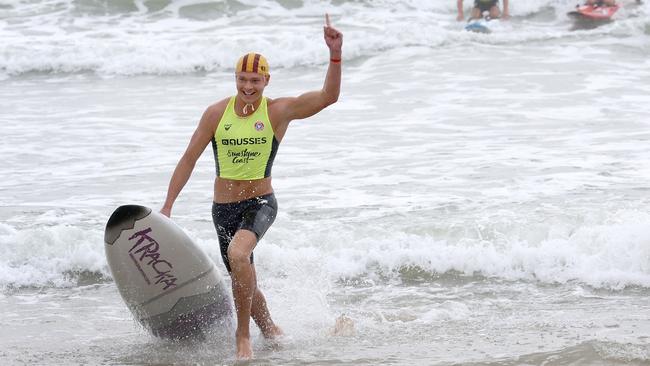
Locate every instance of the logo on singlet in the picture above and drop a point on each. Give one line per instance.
(227, 127)
(259, 126)
(244, 141)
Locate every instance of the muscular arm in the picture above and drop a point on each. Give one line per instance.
(200, 139)
(310, 103)
(287, 109)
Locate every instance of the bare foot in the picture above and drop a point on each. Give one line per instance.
(244, 349)
(272, 332)
(344, 327)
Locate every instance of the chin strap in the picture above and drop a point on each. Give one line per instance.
(246, 108)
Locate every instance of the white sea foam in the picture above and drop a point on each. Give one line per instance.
(48, 256)
(134, 37)
(610, 254)
(440, 168)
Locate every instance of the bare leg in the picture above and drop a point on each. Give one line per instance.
(495, 12)
(261, 315)
(476, 14)
(243, 288)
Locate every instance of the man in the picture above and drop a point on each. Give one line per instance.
(245, 131)
(480, 6)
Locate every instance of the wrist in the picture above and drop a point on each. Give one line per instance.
(335, 57)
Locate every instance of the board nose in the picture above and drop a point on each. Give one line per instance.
(123, 218)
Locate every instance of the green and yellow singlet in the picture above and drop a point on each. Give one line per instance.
(244, 147)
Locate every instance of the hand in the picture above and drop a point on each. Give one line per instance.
(460, 17)
(333, 38)
(505, 15)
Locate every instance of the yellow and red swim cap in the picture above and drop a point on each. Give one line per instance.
(253, 62)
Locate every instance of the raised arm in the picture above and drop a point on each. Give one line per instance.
(310, 103)
(200, 139)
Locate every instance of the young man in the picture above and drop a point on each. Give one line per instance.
(245, 131)
(480, 6)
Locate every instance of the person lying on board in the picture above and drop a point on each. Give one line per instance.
(481, 6)
(601, 2)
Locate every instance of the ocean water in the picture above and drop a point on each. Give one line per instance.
(471, 199)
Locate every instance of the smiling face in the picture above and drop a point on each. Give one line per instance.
(251, 75)
(250, 86)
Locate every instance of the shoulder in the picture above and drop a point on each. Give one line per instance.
(215, 111)
(279, 108)
(275, 102)
(212, 115)
(279, 105)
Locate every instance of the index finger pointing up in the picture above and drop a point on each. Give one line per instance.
(327, 20)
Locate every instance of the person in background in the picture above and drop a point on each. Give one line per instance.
(601, 2)
(481, 6)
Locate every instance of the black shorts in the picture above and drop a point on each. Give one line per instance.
(484, 5)
(254, 214)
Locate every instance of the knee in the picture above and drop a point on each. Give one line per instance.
(238, 257)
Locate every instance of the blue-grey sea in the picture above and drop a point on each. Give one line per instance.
(472, 199)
